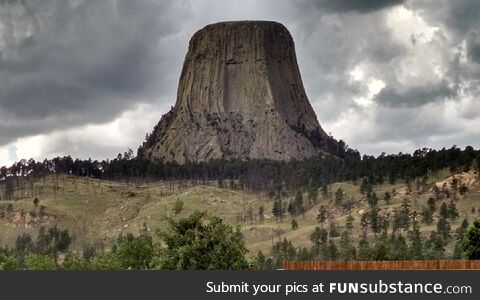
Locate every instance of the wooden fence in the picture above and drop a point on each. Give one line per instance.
(384, 265)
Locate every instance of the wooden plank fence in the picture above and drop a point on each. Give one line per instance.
(384, 265)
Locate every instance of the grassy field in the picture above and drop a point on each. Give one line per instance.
(97, 212)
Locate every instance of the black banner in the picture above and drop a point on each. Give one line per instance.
(239, 284)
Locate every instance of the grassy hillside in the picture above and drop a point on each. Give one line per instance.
(96, 211)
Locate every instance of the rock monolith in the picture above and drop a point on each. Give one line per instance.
(240, 95)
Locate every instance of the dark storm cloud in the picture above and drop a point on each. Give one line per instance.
(80, 61)
(415, 96)
(361, 6)
(396, 123)
(331, 47)
(335, 41)
(460, 17)
(73, 63)
(474, 52)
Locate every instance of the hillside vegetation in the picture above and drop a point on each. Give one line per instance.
(96, 212)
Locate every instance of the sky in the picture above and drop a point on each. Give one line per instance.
(90, 78)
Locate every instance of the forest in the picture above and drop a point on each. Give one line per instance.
(259, 175)
(381, 237)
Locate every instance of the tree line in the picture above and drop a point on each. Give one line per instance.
(255, 174)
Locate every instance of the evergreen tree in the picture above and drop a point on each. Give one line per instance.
(294, 224)
(444, 211)
(349, 223)
(415, 248)
(332, 251)
(178, 207)
(283, 251)
(435, 246)
(372, 199)
(303, 254)
(319, 237)
(471, 245)
(427, 216)
(339, 196)
(324, 189)
(405, 213)
(313, 196)
(322, 215)
(278, 209)
(460, 237)
(443, 229)
(296, 207)
(347, 250)
(398, 248)
(364, 251)
(387, 197)
(374, 220)
(431, 205)
(366, 187)
(261, 215)
(452, 211)
(463, 190)
(333, 230)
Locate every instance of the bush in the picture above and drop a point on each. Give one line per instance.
(201, 242)
(136, 252)
(39, 262)
(7, 262)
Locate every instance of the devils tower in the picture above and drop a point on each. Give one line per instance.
(240, 95)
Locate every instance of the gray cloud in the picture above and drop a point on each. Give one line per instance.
(364, 6)
(67, 64)
(474, 52)
(77, 62)
(415, 96)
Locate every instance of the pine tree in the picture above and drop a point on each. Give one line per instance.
(416, 246)
(387, 197)
(431, 204)
(435, 246)
(366, 187)
(324, 189)
(297, 205)
(364, 251)
(443, 228)
(339, 196)
(374, 220)
(333, 230)
(349, 223)
(313, 196)
(372, 199)
(460, 237)
(405, 214)
(261, 215)
(471, 246)
(278, 209)
(294, 224)
(331, 252)
(322, 215)
(347, 250)
(319, 237)
(427, 216)
(444, 211)
(452, 211)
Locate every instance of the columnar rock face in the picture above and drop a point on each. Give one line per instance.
(240, 96)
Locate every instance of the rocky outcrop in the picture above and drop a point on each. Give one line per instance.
(240, 96)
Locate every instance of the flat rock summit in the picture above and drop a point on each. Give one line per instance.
(240, 95)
